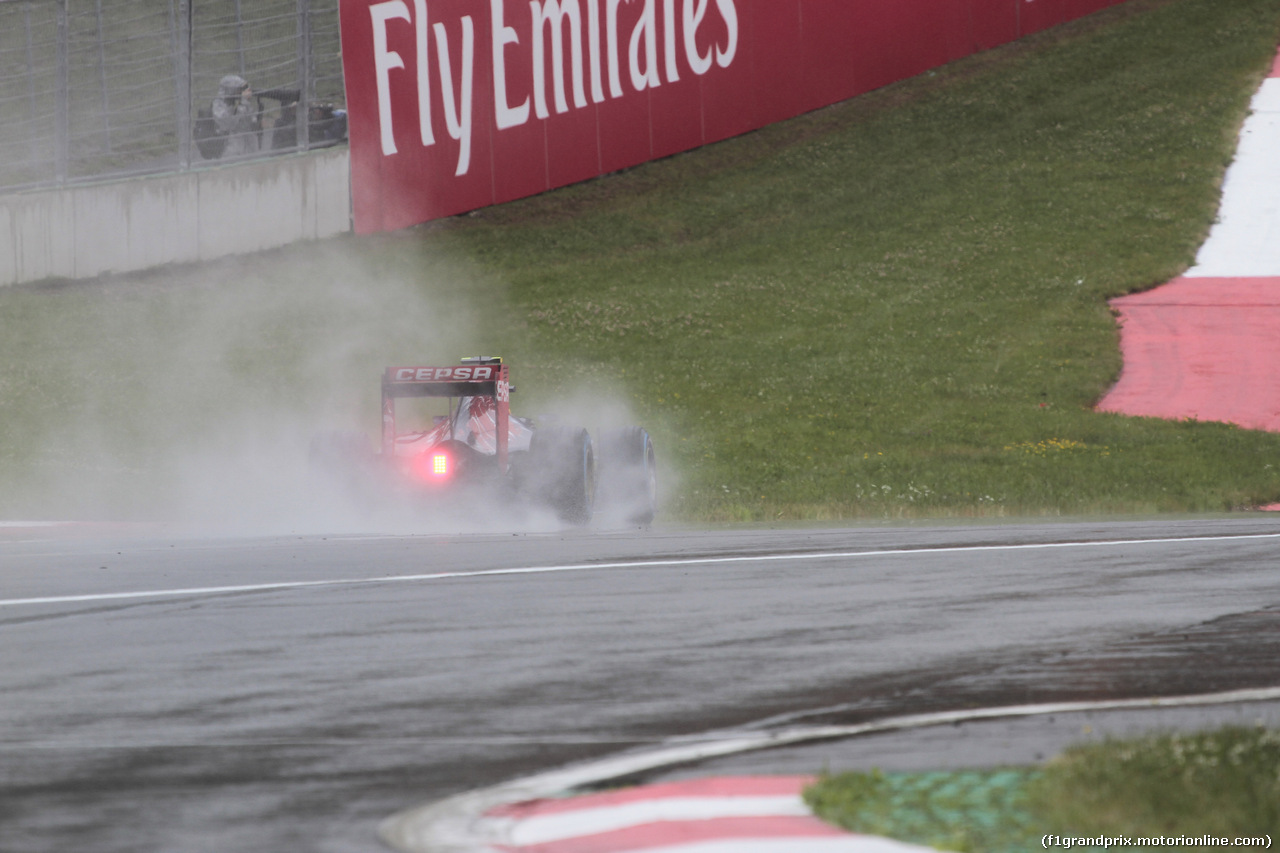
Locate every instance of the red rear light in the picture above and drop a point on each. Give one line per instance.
(434, 466)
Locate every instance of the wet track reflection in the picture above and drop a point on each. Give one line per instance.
(288, 693)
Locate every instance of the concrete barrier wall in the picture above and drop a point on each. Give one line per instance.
(81, 232)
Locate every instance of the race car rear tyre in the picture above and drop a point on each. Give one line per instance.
(629, 475)
(566, 471)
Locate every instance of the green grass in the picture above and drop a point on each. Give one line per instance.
(893, 307)
(1224, 783)
(873, 309)
(975, 811)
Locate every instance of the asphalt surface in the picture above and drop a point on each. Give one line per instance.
(1013, 742)
(288, 693)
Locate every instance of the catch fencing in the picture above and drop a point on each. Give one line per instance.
(103, 89)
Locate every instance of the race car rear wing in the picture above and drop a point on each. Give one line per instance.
(475, 377)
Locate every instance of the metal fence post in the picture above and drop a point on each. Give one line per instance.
(182, 79)
(240, 38)
(102, 77)
(303, 120)
(62, 100)
(33, 106)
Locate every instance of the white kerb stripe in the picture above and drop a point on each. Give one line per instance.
(830, 844)
(1267, 100)
(590, 821)
(1245, 240)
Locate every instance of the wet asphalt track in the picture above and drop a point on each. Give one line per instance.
(295, 718)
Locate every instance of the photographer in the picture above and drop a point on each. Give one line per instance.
(234, 117)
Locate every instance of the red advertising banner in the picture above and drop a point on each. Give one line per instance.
(458, 104)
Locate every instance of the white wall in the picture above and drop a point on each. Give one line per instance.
(134, 224)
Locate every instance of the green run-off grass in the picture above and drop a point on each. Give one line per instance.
(1220, 784)
(897, 305)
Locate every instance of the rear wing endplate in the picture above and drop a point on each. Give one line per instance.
(482, 378)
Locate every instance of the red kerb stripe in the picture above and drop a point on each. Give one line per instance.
(1203, 348)
(745, 786)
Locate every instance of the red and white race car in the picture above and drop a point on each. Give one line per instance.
(480, 446)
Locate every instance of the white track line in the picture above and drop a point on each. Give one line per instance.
(627, 564)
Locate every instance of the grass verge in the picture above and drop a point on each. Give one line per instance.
(893, 307)
(1224, 784)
